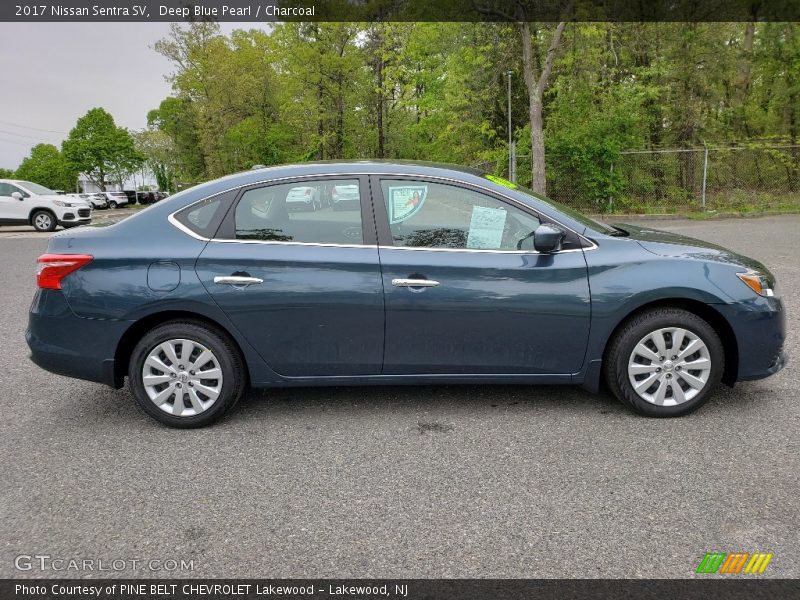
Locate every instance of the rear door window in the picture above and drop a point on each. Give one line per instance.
(310, 212)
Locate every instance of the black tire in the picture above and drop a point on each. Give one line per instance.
(632, 332)
(234, 374)
(112, 205)
(44, 220)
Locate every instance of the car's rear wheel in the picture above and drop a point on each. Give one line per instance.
(664, 362)
(43, 220)
(186, 374)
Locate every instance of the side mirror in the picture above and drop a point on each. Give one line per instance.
(17, 196)
(547, 238)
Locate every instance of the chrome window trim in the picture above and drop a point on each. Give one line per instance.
(174, 221)
(171, 217)
(277, 243)
(480, 250)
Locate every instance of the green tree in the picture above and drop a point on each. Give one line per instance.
(159, 153)
(6, 173)
(102, 151)
(48, 167)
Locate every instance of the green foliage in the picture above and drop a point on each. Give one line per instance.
(6, 173)
(101, 150)
(438, 91)
(48, 167)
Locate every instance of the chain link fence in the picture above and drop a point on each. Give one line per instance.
(669, 181)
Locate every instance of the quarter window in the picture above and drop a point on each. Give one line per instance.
(434, 215)
(202, 217)
(317, 212)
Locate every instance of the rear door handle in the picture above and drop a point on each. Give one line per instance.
(414, 283)
(237, 280)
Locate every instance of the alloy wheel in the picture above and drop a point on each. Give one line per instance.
(182, 377)
(669, 366)
(43, 221)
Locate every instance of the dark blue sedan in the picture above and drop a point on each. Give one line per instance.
(404, 273)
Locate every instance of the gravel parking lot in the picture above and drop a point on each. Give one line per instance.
(402, 481)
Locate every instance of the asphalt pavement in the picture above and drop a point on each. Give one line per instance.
(446, 481)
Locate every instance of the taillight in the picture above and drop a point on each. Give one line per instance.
(54, 267)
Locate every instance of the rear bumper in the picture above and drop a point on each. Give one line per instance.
(65, 344)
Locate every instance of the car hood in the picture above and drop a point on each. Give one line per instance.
(666, 243)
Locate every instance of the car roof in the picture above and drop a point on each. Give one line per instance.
(365, 166)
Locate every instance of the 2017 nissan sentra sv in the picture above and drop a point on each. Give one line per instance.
(428, 274)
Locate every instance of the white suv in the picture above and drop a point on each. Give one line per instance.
(27, 203)
(115, 199)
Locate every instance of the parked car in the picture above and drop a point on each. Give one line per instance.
(444, 276)
(304, 197)
(150, 197)
(28, 203)
(345, 197)
(97, 201)
(115, 199)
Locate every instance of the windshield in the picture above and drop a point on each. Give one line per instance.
(36, 188)
(570, 212)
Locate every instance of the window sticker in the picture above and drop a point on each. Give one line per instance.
(486, 227)
(405, 200)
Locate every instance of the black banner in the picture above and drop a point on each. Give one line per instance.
(399, 589)
(398, 10)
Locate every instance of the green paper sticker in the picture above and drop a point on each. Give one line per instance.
(501, 181)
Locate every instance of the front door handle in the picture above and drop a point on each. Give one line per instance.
(237, 280)
(414, 283)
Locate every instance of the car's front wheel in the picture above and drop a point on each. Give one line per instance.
(112, 204)
(43, 220)
(186, 374)
(665, 362)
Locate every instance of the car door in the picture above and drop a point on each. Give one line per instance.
(462, 297)
(303, 286)
(13, 210)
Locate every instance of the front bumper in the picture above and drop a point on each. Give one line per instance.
(776, 366)
(759, 326)
(74, 223)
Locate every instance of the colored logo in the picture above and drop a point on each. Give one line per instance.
(734, 562)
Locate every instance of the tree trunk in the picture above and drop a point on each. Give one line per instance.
(320, 124)
(381, 132)
(536, 87)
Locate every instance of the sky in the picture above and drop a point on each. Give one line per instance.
(54, 72)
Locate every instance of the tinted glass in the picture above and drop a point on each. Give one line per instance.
(434, 215)
(319, 212)
(203, 217)
(6, 189)
(37, 189)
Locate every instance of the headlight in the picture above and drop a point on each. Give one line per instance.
(757, 282)
(62, 203)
